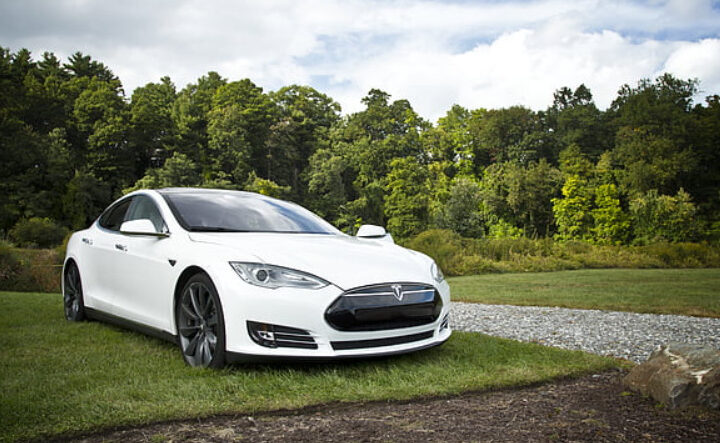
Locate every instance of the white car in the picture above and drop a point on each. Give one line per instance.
(234, 276)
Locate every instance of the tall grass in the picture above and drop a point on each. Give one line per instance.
(465, 256)
(29, 269)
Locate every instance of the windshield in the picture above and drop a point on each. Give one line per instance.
(213, 211)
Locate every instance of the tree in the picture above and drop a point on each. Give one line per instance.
(575, 120)
(238, 127)
(305, 118)
(85, 198)
(462, 212)
(152, 131)
(326, 186)
(407, 204)
(190, 116)
(572, 212)
(509, 134)
(664, 217)
(266, 187)
(610, 224)
(101, 118)
(521, 195)
(645, 161)
(177, 171)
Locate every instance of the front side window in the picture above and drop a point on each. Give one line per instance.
(241, 212)
(113, 217)
(144, 208)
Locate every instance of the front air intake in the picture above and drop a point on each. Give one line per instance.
(386, 306)
(275, 336)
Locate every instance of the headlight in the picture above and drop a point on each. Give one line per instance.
(437, 273)
(272, 277)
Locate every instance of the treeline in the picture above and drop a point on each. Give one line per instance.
(645, 169)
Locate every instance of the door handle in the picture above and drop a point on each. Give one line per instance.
(87, 241)
(120, 247)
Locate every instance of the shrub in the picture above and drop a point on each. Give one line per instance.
(35, 270)
(37, 233)
(9, 265)
(444, 246)
(465, 256)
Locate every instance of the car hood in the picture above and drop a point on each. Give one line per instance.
(345, 261)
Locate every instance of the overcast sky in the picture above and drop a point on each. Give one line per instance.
(435, 53)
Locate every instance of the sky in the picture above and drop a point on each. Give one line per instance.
(478, 54)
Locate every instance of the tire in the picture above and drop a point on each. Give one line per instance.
(73, 294)
(200, 323)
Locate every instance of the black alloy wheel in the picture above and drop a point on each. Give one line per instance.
(73, 294)
(200, 324)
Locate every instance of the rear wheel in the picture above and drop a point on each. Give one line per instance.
(73, 294)
(200, 323)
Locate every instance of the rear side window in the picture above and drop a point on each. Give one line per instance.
(114, 217)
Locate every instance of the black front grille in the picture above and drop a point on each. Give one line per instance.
(387, 306)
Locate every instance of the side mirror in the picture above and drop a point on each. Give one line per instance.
(142, 226)
(374, 232)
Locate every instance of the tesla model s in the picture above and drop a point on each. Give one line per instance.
(232, 276)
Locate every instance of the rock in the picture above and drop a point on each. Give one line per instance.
(679, 375)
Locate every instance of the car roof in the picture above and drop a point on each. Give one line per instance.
(166, 191)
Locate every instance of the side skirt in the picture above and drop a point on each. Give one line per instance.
(128, 324)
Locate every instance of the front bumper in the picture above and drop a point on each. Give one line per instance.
(305, 310)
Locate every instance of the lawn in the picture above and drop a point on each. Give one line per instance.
(659, 291)
(63, 378)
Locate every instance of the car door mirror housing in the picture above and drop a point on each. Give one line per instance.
(141, 226)
(374, 232)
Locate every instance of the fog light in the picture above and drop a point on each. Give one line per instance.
(262, 334)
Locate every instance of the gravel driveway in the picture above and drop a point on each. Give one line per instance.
(619, 334)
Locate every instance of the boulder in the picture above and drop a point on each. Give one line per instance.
(679, 375)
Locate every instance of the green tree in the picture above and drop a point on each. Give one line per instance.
(610, 223)
(238, 127)
(645, 161)
(266, 187)
(462, 212)
(664, 217)
(85, 198)
(152, 131)
(407, 205)
(572, 212)
(574, 119)
(101, 117)
(190, 116)
(521, 195)
(178, 171)
(305, 118)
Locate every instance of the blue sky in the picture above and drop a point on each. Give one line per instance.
(474, 53)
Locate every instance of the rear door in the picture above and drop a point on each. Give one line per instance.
(104, 251)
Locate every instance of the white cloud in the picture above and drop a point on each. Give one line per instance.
(477, 54)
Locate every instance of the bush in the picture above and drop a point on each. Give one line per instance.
(36, 270)
(465, 256)
(444, 246)
(37, 233)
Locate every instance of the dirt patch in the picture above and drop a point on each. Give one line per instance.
(592, 408)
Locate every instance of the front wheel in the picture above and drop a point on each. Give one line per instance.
(200, 323)
(73, 293)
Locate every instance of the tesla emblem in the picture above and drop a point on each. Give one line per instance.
(397, 292)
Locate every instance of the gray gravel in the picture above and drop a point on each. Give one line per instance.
(618, 334)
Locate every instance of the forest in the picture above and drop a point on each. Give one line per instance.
(646, 169)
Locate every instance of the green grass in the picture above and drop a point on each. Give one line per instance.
(660, 291)
(60, 377)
